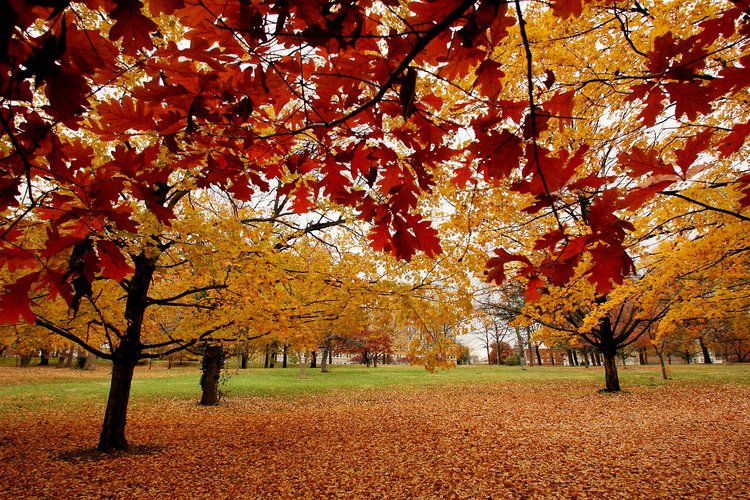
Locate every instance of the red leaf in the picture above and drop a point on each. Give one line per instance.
(88, 50)
(635, 198)
(690, 99)
(495, 270)
(534, 289)
(156, 7)
(426, 236)
(694, 146)
(549, 240)
(301, 203)
(489, 78)
(498, 154)
(15, 303)
(67, 93)
(611, 265)
(561, 107)
(734, 141)
(113, 262)
(380, 237)
(126, 114)
(652, 96)
(462, 176)
(745, 190)
(665, 49)
(132, 26)
(567, 8)
(647, 162)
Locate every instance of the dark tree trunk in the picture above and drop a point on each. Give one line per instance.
(268, 357)
(127, 355)
(538, 356)
(243, 361)
(571, 362)
(575, 358)
(585, 354)
(313, 359)
(704, 350)
(43, 358)
(90, 363)
(611, 379)
(213, 359)
(285, 356)
(531, 352)
(642, 357)
(112, 436)
(324, 361)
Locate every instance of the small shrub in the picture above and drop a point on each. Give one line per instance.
(513, 360)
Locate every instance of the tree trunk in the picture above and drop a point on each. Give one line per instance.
(611, 380)
(212, 364)
(642, 359)
(112, 437)
(71, 355)
(313, 359)
(243, 361)
(585, 354)
(127, 355)
(664, 370)
(43, 358)
(25, 360)
(538, 356)
(324, 360)
(521, 354)
(302, 365)
(704, 350)
(90, 363)
(268, 357)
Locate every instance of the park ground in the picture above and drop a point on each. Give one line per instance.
(389, 432)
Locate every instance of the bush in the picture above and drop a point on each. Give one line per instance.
(512, 360)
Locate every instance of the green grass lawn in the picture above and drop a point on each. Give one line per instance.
(29, 388)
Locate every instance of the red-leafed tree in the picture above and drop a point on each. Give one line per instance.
(110, 107)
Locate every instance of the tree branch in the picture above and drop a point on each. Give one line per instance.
(677, 194)
(72, 337)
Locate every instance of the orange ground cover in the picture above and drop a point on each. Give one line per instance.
(511, 440)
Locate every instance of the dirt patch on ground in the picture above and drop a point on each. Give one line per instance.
(563, 440)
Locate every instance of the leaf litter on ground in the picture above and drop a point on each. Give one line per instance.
(557, 440)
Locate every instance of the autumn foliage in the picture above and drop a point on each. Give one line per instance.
(122, 123)
(108, 106)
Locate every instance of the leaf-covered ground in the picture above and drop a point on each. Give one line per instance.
(510, 440)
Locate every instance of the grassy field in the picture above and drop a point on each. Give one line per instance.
(37, 387)
(389, 432)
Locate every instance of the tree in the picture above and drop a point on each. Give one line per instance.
(111, 111)
(500, 352)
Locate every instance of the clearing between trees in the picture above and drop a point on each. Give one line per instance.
(491, 438)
